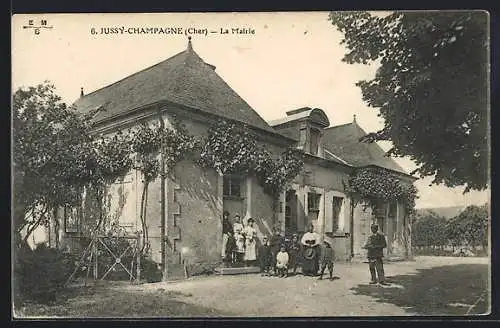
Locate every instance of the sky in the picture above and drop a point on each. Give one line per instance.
(291, 60)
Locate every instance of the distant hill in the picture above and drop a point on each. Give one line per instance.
(446, 212)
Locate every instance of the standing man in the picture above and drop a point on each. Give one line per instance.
(227, 231)
(375, 246)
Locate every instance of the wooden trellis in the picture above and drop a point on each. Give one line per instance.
(93, 252)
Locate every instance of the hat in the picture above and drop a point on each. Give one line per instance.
(250, 220)
(237, 215)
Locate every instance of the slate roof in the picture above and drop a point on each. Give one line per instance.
(343, 141)
(184, 79)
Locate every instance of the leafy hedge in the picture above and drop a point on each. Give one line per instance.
(40, 274)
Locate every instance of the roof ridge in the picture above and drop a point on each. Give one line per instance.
(340, 125)
(133, 74)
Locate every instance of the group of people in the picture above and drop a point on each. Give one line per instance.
(239, 242)
(278, 256)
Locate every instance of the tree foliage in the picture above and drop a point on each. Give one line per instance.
(431, 88)
(430, 231)
(470, 227)
(56, 156)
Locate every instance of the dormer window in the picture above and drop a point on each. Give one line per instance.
(306, 126)
(315, 140)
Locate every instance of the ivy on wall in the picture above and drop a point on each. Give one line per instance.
(174, 144)
(231, 148)
(375, 184)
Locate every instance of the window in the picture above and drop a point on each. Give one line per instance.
(303, 137)
(393, 209)
(336, 207)
(71, 220)
(232, 186)
(313, 202)
(315, 137)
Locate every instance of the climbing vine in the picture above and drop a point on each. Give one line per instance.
(231, 148)
(148, 142)
(275, 174)
(375, 184)
(372, 185)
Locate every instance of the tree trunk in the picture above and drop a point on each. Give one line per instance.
(35, 224)
(143, 214)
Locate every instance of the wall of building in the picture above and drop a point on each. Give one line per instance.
(262, 210)
(362, 220)
(195, 214)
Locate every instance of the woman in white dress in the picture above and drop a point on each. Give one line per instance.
(250, 242)
(239, 238)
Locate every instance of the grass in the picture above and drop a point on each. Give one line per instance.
(100, 302)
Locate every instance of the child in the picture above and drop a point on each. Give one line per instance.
(265, 257)
(294, 253)
(275, 243)
(326, 259)
(282, 262)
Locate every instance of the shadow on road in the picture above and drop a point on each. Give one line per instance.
(444, 290)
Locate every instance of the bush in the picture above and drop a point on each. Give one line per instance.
(40, 274)
(149, 270)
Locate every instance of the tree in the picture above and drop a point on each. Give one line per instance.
(55, 157)
(430, 231)
(471, 226)
(431, 88)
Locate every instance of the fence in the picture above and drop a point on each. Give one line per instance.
(107, 257)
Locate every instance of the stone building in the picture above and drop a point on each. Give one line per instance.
(189, 89)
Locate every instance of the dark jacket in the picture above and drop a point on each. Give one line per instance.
(327, 255)
(275, 243)
(375, 245)
(227, 227)
(293, 247)
(264, 254)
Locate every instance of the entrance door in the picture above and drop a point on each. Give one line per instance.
(313, 200)
(290, 212)
(233, 200)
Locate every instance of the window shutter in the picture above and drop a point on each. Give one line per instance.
(329, 218)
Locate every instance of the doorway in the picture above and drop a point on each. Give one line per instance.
(290, 212)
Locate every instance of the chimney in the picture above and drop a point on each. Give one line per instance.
(81, 92)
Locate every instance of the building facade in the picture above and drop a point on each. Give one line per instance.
(187, 89)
